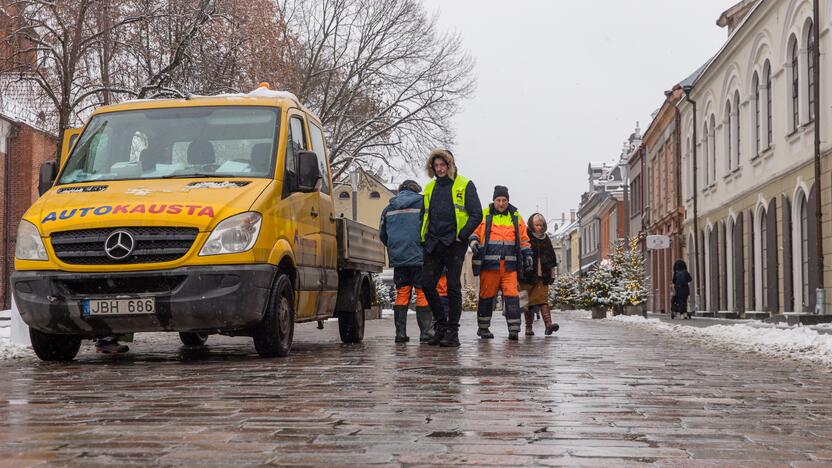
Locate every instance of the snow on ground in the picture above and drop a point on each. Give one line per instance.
(10, 351)
(799, 343)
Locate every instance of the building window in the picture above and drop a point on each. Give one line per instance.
(705, 157)
(755, 85)
(728, 124)
(344, 195)
(375, 194)
(737, 132)
(810, 70)
(764, 258)
(795, 96)
(769, 110)
(804, 252)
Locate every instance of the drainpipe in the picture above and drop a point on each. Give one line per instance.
(687, 90)
(678, 173)
(820, 306)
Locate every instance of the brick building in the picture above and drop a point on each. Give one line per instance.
(24, 145)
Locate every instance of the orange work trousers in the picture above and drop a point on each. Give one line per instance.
(403, 296)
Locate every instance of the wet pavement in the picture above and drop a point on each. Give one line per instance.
(597, 394)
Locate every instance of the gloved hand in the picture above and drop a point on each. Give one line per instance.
(528, 262)
(475, 247)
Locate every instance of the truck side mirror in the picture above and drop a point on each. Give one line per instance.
(308, 171)
(48, 172)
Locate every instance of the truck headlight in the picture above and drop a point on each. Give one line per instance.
(29, 244)
(233, 235)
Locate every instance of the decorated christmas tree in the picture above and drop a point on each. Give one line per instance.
(631, 288)
(596, 287)
(564, 293)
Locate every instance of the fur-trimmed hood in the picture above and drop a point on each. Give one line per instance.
(449, 159)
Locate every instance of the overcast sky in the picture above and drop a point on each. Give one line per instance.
(562, 83)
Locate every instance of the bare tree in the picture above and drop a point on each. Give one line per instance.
(380, 75)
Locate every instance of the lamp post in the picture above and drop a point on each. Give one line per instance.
(354, 186)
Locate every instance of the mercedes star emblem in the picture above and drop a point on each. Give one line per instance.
(119, 245)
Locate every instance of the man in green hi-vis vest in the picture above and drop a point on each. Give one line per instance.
(451, 212)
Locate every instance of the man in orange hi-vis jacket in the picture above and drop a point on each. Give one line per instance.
(502, 251)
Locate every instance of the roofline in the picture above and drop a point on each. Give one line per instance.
(727, 42)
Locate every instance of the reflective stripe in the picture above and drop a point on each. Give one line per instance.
(477, 262)
(500, 242)
(510, 258)
(404, 211)
(491, 257)
(459, 207)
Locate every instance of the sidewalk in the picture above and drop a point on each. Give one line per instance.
(701, 322)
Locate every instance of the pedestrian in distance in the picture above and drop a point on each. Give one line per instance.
(540, 276)
(681, 293)
(399, 232)
(502, 253)
(452, 210)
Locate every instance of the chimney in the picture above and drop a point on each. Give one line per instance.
(562, 218)
(571, 216)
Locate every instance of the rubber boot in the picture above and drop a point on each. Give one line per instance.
(425, 320)
(513, 316)
(450, 338)
(400, 319)
(484, 311)
(547, 319)
(528, 315)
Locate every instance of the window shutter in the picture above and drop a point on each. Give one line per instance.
(812, 237)
(750, 251)
(773, 292)
(739, 266)
(788, 274)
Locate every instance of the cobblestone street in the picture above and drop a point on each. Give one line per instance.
(597, 394)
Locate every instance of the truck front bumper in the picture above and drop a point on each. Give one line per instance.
(189, 299)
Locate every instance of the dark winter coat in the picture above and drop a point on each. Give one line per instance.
(544, 253)
(400, 229)
(681, 281)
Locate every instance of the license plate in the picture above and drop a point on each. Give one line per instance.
(136, 306)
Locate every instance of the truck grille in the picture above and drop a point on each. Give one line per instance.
(151, 245)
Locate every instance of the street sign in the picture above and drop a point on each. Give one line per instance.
(657, 242)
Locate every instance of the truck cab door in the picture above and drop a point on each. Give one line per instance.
(306, 212)
(329, 244)
(70, 137)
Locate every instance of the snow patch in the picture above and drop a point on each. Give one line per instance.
(268, 93)
(210, 185)
(10, 351)
(142, 192)
(798, 343)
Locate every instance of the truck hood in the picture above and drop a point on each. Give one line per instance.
(199, 203)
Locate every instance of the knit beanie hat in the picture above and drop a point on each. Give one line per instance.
(500, 191)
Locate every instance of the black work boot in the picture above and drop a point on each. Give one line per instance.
(438, 333)
(450, 338)
(424, 318)
(484, 311)
(400, 319)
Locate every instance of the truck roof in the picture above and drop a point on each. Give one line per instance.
(261, 96)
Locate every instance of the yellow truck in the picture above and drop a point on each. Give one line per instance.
(204, 215)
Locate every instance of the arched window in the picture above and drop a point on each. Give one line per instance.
(736, 131)
(810, 70)
(344, 195)
(795, 84)
(764, 258)
(803, 239)
(712, 149)
(375, 194)
(728, 124)
(706, 173)
(769, 110)
(755, 86)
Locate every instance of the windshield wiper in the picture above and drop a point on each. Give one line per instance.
(192, 175)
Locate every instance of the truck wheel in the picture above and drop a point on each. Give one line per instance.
(273, 337)
(351, 323)
(193, 339)
(51, 347)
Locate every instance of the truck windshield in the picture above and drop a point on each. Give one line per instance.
(220, 141)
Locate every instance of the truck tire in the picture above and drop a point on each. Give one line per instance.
(351, 322)
(193, 338)
(273, 337)
(49, 347)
